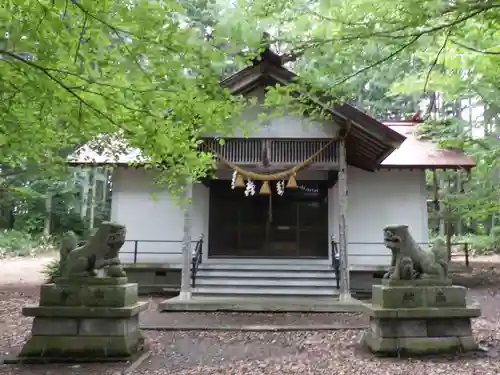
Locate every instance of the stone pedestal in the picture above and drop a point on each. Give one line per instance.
(419, 317)
(85, 319)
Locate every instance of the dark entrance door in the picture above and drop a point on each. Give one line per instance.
(289, 226)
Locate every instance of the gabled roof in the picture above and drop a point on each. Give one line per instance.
(419, 153)
(368, 141)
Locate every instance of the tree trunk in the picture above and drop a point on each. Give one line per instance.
(185, 293)
(345, 287)
(11, 222)
(459, 190)
(85, 196)
(47, 225)
(442, 207)
(92, 177)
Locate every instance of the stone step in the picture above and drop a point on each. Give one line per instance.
(267, 261)
(224, 290)
(145, 289)
(269, 274)
(276, 282)
(266, 267)
(239, 278)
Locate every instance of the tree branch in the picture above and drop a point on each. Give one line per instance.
(117, 33)
(394, 33)
(116, 101)
(45, 12)
(457, 21)
(378, 62)
(82, 33)
(60, 83)
(94, 82)
(436, 59)
(474, 49)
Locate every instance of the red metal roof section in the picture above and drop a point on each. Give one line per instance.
(418, 153)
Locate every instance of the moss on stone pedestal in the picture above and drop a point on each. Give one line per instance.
(417, 282)
(85, 319)
(93, 295)
(415, 346)
(409, 296)
(82, 346)
(91, 280)
(406, 319)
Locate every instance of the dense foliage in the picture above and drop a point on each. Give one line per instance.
(37, 210)
(75, 70)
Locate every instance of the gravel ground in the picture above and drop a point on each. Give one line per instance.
(334, 352)
(182, 353)
(23, 271)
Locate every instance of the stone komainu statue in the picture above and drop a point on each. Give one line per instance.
(100, 252)
(407, 256)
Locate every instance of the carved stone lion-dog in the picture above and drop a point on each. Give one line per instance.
(405, 251)
(100, 252)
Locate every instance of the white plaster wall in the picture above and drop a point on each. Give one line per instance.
(152, 217)
(374, 201)
(283, 126)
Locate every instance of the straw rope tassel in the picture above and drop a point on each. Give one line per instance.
(274, 176)
(265, 189)
(292, 182)
(239, 181)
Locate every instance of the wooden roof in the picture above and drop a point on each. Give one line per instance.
(368, 141)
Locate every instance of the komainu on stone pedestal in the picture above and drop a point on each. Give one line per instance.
(406, 254)
(417, 310)
(82, 316)
(100, 252)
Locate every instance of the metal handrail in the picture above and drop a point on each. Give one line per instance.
(196, 260)
(464, 244)
(335, 260)
(136, 248)
(334, 251)
(336, 255)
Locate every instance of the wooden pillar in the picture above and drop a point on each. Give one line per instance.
(185, 293)
(442, 206)
(345, 288)
(459, 191)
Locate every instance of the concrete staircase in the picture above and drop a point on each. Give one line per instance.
(265, 278)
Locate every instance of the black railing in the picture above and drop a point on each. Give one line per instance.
(196, 260)
(466, 253)
(453, 253)
(335, 254)
(163, 244)
(335, 261)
